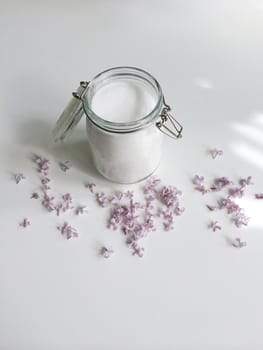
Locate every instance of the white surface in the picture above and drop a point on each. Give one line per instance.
(191, 291)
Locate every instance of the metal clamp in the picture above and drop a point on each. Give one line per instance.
(79, 94)
(165, 117)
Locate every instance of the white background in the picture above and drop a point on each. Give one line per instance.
(192, 290)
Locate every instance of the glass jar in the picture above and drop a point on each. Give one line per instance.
(125, 112)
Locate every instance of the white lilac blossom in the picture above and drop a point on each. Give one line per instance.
(35, 195)
(106, 252)
(19, 177)
(216, 152)
(259, 195)
(238, 243)
(24, 223)
(90, 186)
(65, 166)
(68, 231)
(215, 226)
(81, 210)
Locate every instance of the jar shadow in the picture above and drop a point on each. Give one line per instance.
(37, 135)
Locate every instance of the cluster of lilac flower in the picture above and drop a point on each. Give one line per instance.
(48, 200)
(137, 219)
(68, 231)
(237, 214)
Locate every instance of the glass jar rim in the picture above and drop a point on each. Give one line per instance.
(128, 126)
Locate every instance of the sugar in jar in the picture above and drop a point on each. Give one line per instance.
(126, 118)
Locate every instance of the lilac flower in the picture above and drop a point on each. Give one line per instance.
(106, 252)
(68, 231)
(211, 207)
(81, 210)
(65, 166)
(237, 243)
(90, 186)
(102, 199)
(169, 196)
(229, 205)
(246, 182)
(19, 177)
(214, 226)
(25, 223)
(35, 195)
(117, 197)
(151, 185)
(137, 250)
(236, 192)
(48, 202)
(43, 165)
(149, 205)
(220, 183)
(168, 220)
(240, 219)
(65, 205)
(129, 194)
(259, 195)
(216, 152)
(198, 181)
(179, 210)
(148, 225)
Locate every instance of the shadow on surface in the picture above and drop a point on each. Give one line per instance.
(38, 135)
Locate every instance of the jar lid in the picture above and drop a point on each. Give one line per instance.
(71, 115)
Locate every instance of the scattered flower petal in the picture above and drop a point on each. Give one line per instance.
(211, 207)
(102, 199)
(198, 181)
(238, 243)
(259, 195)
(216, 152)
(90, 186)
(151, 185)
(35, 195)
(25, 223)
(137, 250)
(107, 252)
(68, 231)
(65, 166)
(236, 192)
(19, 177)
(246, 182)
(215, 226)
(81, 210)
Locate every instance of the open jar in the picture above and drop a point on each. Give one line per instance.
(126, 117)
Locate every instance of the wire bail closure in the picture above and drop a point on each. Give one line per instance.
(74, 111)
(165, 117)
